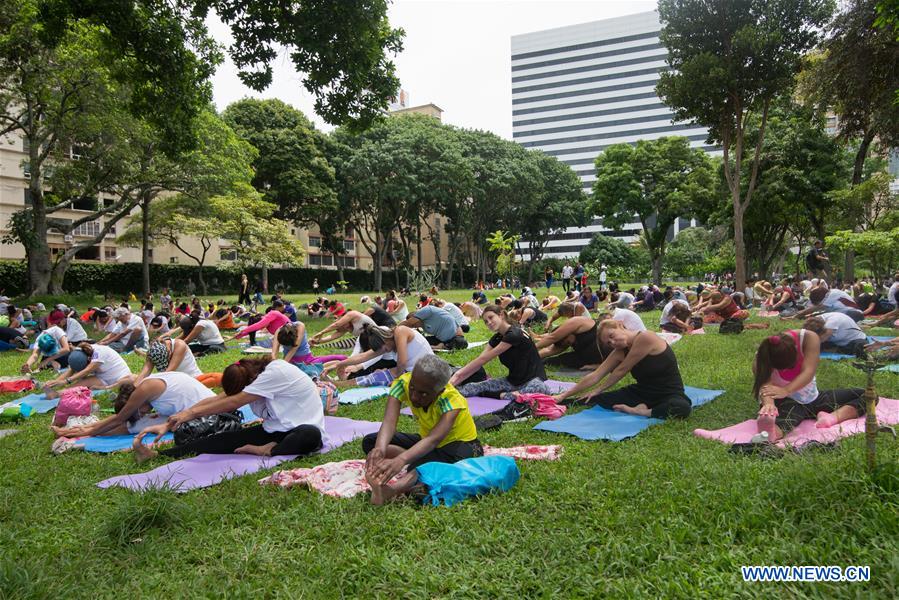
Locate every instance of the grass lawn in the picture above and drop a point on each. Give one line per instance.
(663, 514)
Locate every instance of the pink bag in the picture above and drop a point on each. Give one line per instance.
(75, 402)
(542, 405)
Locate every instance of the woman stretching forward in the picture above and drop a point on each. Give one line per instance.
(515, 350)
(659, 391)
(285, 398)
(785, 386)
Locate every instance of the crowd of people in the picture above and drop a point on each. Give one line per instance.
(391, 341)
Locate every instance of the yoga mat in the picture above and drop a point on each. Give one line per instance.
(894, 368)
(104, 444)
(39, 404)
(599, 423)
(257, 350)
(470, 345)
(210, 469)
(362, 394)
(479, 405)
(835, 356)
(563, 372)
(741, 433)
(881, 338)
(6, 432)
(669, 337)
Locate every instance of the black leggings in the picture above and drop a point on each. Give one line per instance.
(663, 407)
(855, 347)
(8, 334)
(303, 439)
(201, 349)
(450, 453)
(791, 413)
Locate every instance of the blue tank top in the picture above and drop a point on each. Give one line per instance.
(303, 350)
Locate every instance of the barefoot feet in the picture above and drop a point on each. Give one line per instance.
(265, 450)
(143, 453)
(825, 420)
(641, 409)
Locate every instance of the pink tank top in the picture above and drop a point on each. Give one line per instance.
(793, 372)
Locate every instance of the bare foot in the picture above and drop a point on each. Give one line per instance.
(640, 410)
(143, 453)
(265, 450)
(377, 490)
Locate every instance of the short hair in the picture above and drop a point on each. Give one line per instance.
(815, 324)
(121, 312)
(816, 296)
(435, 368)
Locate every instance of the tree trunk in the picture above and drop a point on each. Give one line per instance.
(203, 287)
(418, 242)
(340, 266)
(58, 274)
(657, 269)
(36, 249)
(264, 280)
(145, 245)
(378, 257)
(739, 244)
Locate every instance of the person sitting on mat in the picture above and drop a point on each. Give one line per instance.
(51, 350)
(659, 389)
(272, 321)
(515, 350)
(549, 303)
(150, 402)
(446, 431)
(202, 336)
(285, 398)
(676, 317)
(721, 307)
(786, 389)
(351, 322)
(579, 334)
(169, 355)
(94, 366)
(292, 338)
(567, 310)
(407, 344)
(837, 333)
(823, 300)
(381, 317)
(628, 318)
(525, 315)
(455, 311)
(440, 328)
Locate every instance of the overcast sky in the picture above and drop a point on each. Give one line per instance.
(457, 55)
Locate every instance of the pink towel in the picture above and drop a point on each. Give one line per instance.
(699, 331)
(542, 405)
(346, 478)
(741, 433)
(669, 336)
(768, 313)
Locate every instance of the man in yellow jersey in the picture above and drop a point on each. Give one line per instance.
(447, 432)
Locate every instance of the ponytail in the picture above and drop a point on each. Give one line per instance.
(242, 373)
(374, 337)
(775, 352)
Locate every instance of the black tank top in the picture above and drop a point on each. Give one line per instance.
(587, 346)
(658, 375)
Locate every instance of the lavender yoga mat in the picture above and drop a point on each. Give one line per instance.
(479, 405)
(887, 414)
(210, 469)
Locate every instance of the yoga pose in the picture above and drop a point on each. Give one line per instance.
(440, 326)
(786, 389)
(628, 318)
(380, 316)
(396, 307)
(579, 334)
(292, 339)
(525, 315)
(659, 391)
(272, 321)
(515, 350)
(722, 307)
(94, 366)
(51, 350)
(147, 403)
(406, 344)
(284, 397)
(675, 317)
(202, 336)
(837, 333)
(130, 334)
(567, 310)
(446, 431)
(75, 333)
(169, 355)
(460, 319)
(822, 300)
(549, 303)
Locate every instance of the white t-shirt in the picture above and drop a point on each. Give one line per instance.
(567, 271)
(188, 365)
(112, 366)
(602, 276)
(417, 348)
(833, 298)
(891, 294)
(138, 330)
(74, 331)
(456, 312)
(667, 310)
(210, 334)
(624, 300)
(181, 392)
(288, 398)
(630, 319)
(56, 333)
(112, 326)
(845, 330)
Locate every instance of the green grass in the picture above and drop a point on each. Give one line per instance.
(663, 514)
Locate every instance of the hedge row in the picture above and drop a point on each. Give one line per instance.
(118, 279)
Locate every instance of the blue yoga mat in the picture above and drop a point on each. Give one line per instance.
(599, 423)
(248, 414)
(881, 338)
(114, 443)
(835, 356)
(39, 404)
(362, 394)
(894, 368)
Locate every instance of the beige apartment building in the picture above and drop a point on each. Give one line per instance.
(14, 196)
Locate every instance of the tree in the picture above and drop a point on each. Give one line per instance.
(341, 48)
(689, 250)
(730, 59)
(504, 245)
(603, 250)
(655, 182)
(560, 203)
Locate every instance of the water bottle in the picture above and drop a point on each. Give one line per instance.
(95, 409)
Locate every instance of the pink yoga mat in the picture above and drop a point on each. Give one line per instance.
(479, 405)
(741, 433)
(210, 469)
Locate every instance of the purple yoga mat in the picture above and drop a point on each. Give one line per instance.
(478, 405)
(210, 469)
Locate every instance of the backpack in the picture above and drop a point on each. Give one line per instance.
(73, 402)
(202, 427)
(731, 326)
(330, 396)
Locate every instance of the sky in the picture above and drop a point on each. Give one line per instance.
(456, 55)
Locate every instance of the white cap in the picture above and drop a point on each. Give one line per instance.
(40, 306)
(4, 298)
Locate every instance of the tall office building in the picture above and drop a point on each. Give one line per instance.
(577, 90)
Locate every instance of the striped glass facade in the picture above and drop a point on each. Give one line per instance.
(577, 90)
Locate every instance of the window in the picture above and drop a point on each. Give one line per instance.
(173, 260)
(150, 253)
(110, 253)
(315, 242)
(229, 254)
(78, 150)
(26, 144)
(89, 203)
(107, 202)
(349, 245)
(89, 229)
(349, 262)
(27, 197)
(348, 232)
(321, 260)
(26, 169)
(92, 253)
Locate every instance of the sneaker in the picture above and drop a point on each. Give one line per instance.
(512, 412)
(488, 422)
